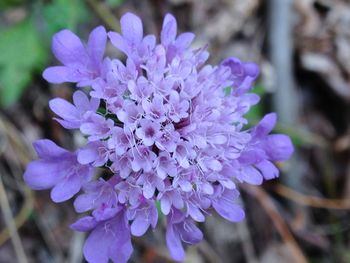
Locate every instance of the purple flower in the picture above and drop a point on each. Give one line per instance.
(108, 240)
(81, 64)
(255, 160)
(57, 169)
(121, 165)
(132, 34)
(148, 132)
(120, 140)
(142, 158)
(243, 74)
(225, 205)
(140, 90)
(149, 183)
(143, 216)
(168, 139)
(124, 73)
(72, 116)
(95, 153)
(129, 114)
(180, 229)
(168, 198)
(155, 109)
(98, 195)
(177, 109)
(165, 165)
(97, 127)
(173, 45)
(166, 130)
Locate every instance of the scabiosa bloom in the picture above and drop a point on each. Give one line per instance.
(167, 130)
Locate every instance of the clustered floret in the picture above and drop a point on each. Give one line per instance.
(168, 131)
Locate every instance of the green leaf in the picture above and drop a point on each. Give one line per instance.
(259, 90)
(61, 14)
(22, 54)
(255, 113)
(13, 82)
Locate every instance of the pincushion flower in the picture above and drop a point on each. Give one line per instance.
(167, 129)
(80, 64)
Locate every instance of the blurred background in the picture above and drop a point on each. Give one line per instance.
(303, 49)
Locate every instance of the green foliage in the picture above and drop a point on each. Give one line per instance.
(114, 3)
(24, 50)
(22, 55)
(11, 3)
(61, 14)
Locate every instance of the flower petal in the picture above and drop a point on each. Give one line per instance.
(97, 244)
(168, 33)
(184, 40)
(118, 41)
(174, 244)
(64, 109)
(68, 49)
(42, 174)
(230, 212)
(131, 27)
(96, 45)
(109, 240)
(265, 126)
(139, 226)
(61, 74)
(66, 188)
(165, 205)
(48, 149)
(81, 100)
(84, 224)
(268, 169)
(226, 207)
(278, 147)
(251, 69)
(88, 154)
(250, 175)
(121, 250)
(84, 202)
(191, 234)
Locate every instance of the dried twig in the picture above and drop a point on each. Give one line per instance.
(312, 201)
(247, 244)
(20, 218)
(11, 226)
(16, 143)
(210, 254)
(263, 198)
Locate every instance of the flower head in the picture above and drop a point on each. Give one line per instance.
(165, 127)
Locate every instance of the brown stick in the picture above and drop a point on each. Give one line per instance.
(263, 198)
(11, 226)
(312, 201)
